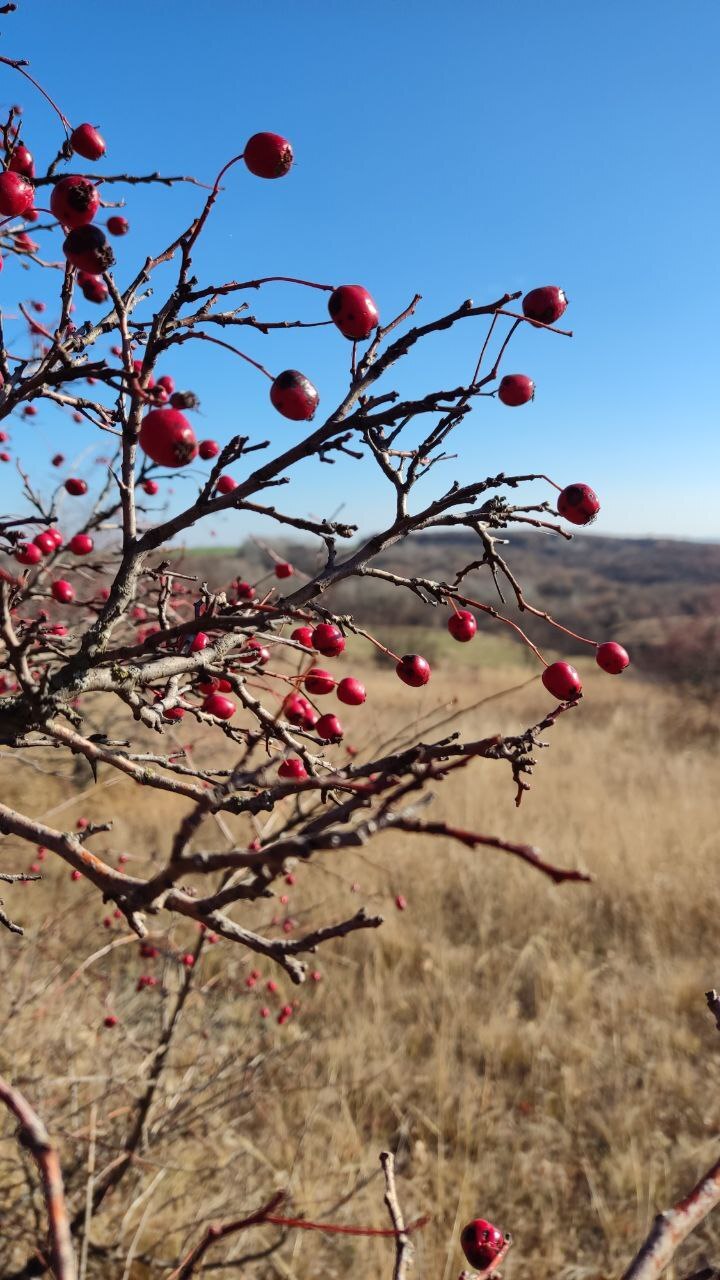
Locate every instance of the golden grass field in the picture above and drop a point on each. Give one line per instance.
(537, 1055)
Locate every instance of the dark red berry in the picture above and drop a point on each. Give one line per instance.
(294, 396)
(208, 449)
(81, 544)
(611, 657)
(353, 311)
(293, 768)
(295, 708)
(462, 625)
(151, 487)
(268, 155)
(319, 682)
(413, 670)
(226, 484)
(516, 388)
(254, 652)
(87, 142)
(76, 487)
(21, 161)
(545, 304)
(283, 569)
(16, 194)
(216, 704)
(87, 249)
(481, 1243)
(562, 681)
(118, 226)
(329, 729)
(303, 636)
(328, 639)
(62, 591)
(167, 437)
(111, 1020)
(94, 289)
(74, 201)
(58, 459)
(578, 504)
(351, 691)
(244, 591)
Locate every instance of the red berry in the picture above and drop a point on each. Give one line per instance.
(562, 681)
(75, 200)
(216, 704)
(208, 449)
(578, 504)
(62, 591)
(329, 729)
(319, 682)
(16, 194)
(283, 569)
(226, 484)
(30, 411)
(167, 383)
(413, 670)
(351, 691)
(224, 686)
(21, 161)
(81, 544)
(254, 651)
(516, 388)
(75, 875)
(58, 459)
(28, 553)
(481, 1243)
(87, 249)
(3, 436)
(200, 641)
(303, 636)
(167, 438)
(295, 708)
(188, 960)
(264, 1012)
(94, 290)
(118, 226)
(56, 536)
(244, 591)
(87, 142)
(46, 542)
(400, 902)
(462, 625)
(545, 304)
(268, 155)
(611, 657)
(292, 768)
(328, 639)
(110, 1021)
(76, 487)
(294, 396)
(4, 456)
(151, 487)
(353, 311)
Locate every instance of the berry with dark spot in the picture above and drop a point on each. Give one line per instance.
(167, 437)
(611, 657)
(75, 487)
(268, 155)
(413, 670)
(578, 503)
(562, 681)
(294, 396)
(481, 1243)
(87, 249)
(16, 194)
(353, 311)
(319, 682)
(87, 142)
(545, 304)
(74, 201)
(329, 729)
(118, 226)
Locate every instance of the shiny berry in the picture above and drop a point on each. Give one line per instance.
(208, 449)
(62, 591)
(294, 396)
(319, 682)
(167, 383)
(110, 1021)
(413, 670)
(295, 708)
(46, 542)
(462, 625)
(353, 311)
(351, 691)
(578, 504)
(76, 487)
(151, 487)
(611, 657)
(562, 681)
(254, 652)
(329, 728)
(328, 639)
(283, 569)
(303, 636)
(21, 161)
(75, 200)
(268, 155)
(56, 535)
(87, 142)
(16, 194)
(226, 484)
(516, 388)
(118, 226)
(216, 704)
(167, 437)
(81, 544)
(87, 249)
(481, 1243)
(292, 768)
(28, 553)
(545, 304)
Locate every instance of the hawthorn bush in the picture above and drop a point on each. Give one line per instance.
(100, 627)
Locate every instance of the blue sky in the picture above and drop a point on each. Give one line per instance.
(458, 150)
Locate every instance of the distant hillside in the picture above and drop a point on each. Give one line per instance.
(660, 596)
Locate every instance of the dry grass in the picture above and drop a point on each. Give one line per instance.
(538, 1055)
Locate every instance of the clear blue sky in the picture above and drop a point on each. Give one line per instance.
(456, 149)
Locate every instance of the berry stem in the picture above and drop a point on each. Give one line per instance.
(207, 337)
(537, 324)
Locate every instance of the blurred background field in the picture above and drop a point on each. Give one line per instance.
(538, 1055)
